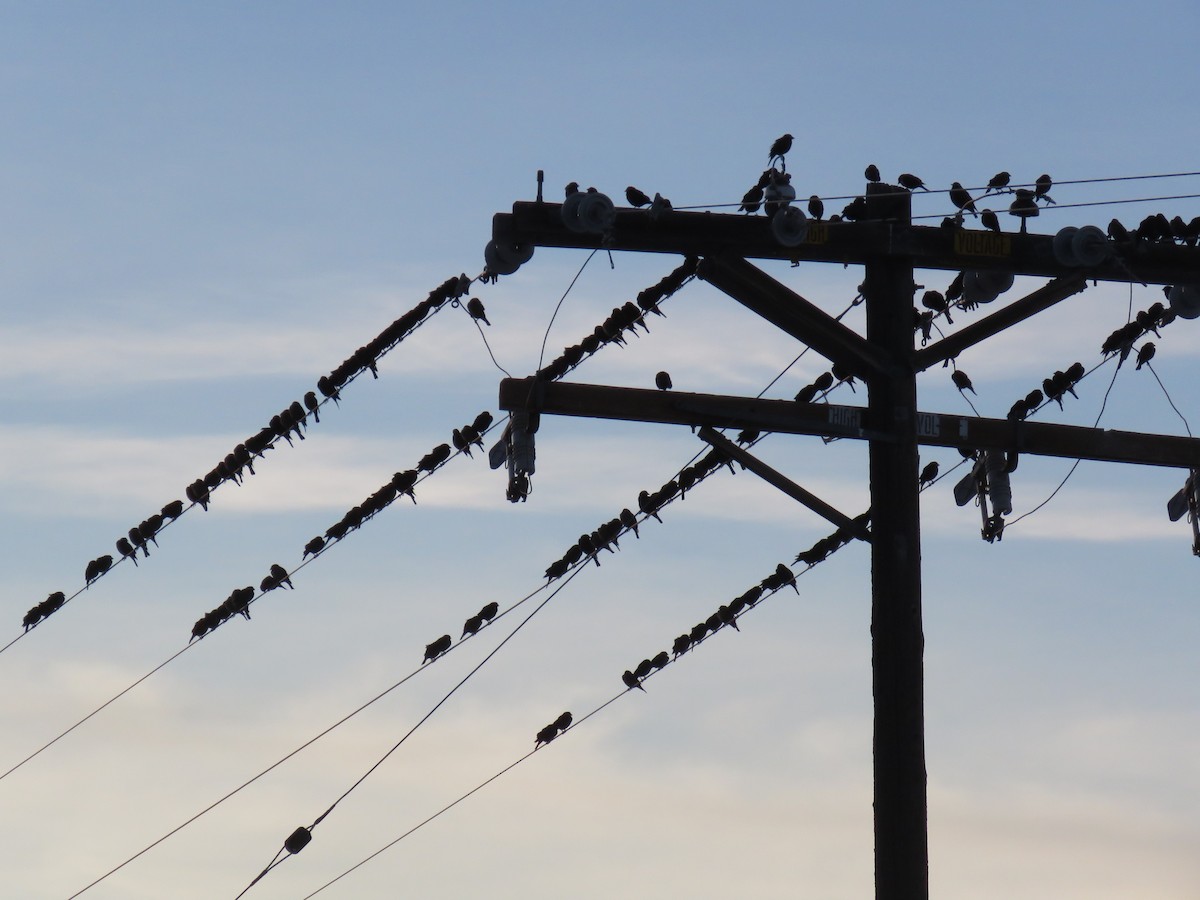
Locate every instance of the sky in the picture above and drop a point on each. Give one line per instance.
(205, 208)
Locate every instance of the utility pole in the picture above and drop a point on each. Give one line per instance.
(897, 639)
(889, 247)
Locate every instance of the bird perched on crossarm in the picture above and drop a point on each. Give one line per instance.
(636, 198)
(663, 381)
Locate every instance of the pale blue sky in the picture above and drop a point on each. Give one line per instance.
(206, 209)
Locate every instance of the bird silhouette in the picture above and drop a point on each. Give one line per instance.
(313, 547)
(781, 146)
(999, 182)
(472, 625)
(928, 474)
(437, 648)
(806, 393)
(126, 549)
(681, 645)
(629, 520)
(752, 200)
(173, 510)
(1145, 354)
(475, 308)
(563, 722)
(280, 574)
(989, 220)
(663, 381)
(636, 198)
(961, 380)
(871, 173)
(434, 458)
(646, 504)
(960, 198)
(631, 681)
(489, 611)
(911, 182)
(571, 188)
(313, 405)
(1041, 188)
(816, 208)
(96, 568)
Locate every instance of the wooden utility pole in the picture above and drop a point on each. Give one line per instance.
(897, 639)
(889, 247)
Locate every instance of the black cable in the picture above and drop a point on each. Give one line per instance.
(558, 306)
(427, 715)
(1074, 465)
(1168, 396)
(973, 188)
(194, 642)
(271, 444)
(574, 725)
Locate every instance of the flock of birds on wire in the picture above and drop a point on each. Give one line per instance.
(292, 421)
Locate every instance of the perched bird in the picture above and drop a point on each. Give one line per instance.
(806, 393)
(871, 173)
(489, 611)
(659, 205)
(1145, 354)
(752, 200)
(636, 198)
(312, 405)
(681, 645)
(475, 308)
(960, 198)
(961, 381)
(631, 681)
(816, 208)
(647, 505)
(127, 549)
(911, 182)
(96, 568)
(934, 300)
(471, 626)
(999, 182)
(571, 188)
(546, 735)
(782, 145)
(1041, 188)
(433, 458)
(663, 381)
(280, 574)
(1019, 410)
(437, 648)
(563, 722)
(824, 381)
(989, 220)
(928, 474)
(629, 520)
(173, 510)
(313, 547)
